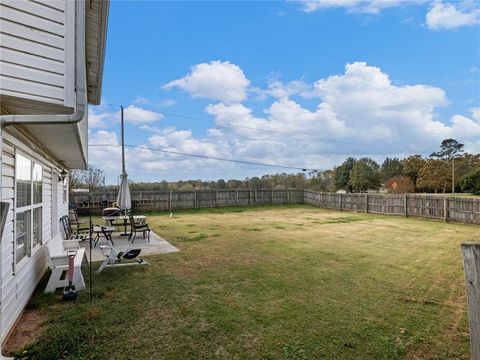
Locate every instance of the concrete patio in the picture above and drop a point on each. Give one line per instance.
(157, 245)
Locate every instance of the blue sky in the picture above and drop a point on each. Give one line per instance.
(302, 84)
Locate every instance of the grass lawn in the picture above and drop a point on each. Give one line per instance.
(286, 282)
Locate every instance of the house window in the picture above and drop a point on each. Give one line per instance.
(28, 209)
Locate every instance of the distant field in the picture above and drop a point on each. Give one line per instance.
(286, 282)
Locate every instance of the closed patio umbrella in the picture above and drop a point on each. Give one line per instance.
(124, 200)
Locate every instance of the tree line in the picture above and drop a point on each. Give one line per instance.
(448, 170)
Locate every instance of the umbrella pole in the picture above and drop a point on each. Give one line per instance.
(123, 169)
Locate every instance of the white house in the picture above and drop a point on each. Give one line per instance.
(51, 67)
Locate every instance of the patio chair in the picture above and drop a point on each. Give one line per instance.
(138, 227)
(70, 234)
(75, 223)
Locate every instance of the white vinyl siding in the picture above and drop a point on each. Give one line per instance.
(37, 50)
(18, 286)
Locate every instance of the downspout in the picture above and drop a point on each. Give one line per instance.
(75, 117)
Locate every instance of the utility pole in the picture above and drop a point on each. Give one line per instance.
(453, 175)
(123, 142)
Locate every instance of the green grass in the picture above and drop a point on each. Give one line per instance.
(291, 282)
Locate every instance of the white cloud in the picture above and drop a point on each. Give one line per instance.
(141, 100)
(97, 119)
(364, 96)
(360, 6)
(167, 102)
(183, 141)
(137, 115)
(278, 89)
(451, 16)
(359, 112)
(465, 127)
(216, 80)
(107, 158)
(101, 117)
(476, 113)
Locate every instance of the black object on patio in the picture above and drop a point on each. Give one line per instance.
(138, 227)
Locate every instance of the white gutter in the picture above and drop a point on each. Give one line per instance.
(77, 116)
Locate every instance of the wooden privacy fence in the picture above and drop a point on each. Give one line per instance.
(165, 200)
(461, 210)
(452, 209)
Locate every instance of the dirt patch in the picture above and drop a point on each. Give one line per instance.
(27, 330)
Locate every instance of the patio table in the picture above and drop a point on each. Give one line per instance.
(102, 230)
(114, 218)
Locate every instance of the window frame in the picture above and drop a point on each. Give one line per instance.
(32, 249)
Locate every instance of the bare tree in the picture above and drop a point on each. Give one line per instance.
(91, 178)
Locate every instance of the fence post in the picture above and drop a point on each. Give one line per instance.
(405, 199)
(471, 261)
(319, 198)
(194, 199)
(236, 197)
(383, 205)
(216, 198)
(340, 202)
(288, 196)
(445, 209)
(366, 203)
(170, 200)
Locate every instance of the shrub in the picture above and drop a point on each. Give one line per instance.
(471, 182)
(403, 185)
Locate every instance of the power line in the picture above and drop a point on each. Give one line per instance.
(257, 129)
(208, 157)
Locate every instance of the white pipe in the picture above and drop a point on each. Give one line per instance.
(75, 117)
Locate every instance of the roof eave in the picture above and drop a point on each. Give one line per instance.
(95, 97)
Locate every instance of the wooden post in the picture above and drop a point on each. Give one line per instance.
(405, 204)
(319, 198)
(471, 261)
(216, 198)
(366, 203)
(194, 199)
(445, 209)
(288, 195)
(272, 195)
(170, 200)
(340, 202)
(255, 196)
(383, 205)
(236, 197)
